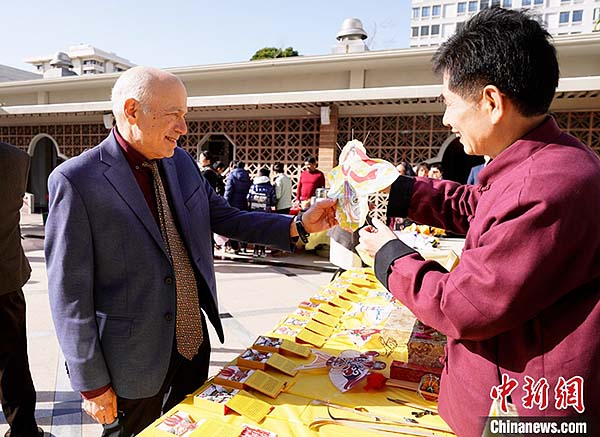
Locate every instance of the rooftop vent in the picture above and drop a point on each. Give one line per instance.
(351, 37)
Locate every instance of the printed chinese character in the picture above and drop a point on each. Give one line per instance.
(536, 393)
(569, 393)
(502, 392)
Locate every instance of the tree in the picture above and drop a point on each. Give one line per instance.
(274, 52)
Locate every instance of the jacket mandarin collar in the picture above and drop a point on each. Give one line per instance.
(547, 132)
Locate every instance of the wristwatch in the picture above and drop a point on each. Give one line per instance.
(300, 228)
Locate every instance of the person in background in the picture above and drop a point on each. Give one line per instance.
(17, 392)
(474, 173)
(261, 197)
(237, 186)
(310, 180)
(405, 169)
(128, 251)
(522, 308)
(283, 189)
(219, 168)
(206, 169)
(423, 170)
(436, 171)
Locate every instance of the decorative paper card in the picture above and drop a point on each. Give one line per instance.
(215, 398)
(350, 296)
(252, 431)
(303, 313)
(279, 362)
(308, 305)
(364, 282)
(295, 349)
(353, 180)
(253, 359)
(233, 376)
(308, 336)
(265, 383)
(326, 319)
(289, 331)
(294, 321)
(249, 406)
(267, 344)
(179, 424)
(322, 298)
(331, 310)
(357, 290)
(319, 328)
(343, 304)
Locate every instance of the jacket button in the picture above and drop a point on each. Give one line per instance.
(168, 280)
(168, 317)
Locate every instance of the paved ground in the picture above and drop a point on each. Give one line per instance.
(253, 297)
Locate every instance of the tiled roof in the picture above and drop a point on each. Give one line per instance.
(8, 74)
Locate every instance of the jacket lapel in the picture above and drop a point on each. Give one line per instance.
(119, 175)
(174, 189)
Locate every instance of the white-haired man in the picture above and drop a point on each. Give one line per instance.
(129, 255)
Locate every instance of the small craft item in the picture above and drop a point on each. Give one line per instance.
(253, 431)
(254, 359)
(289, 331)
(426, 346)
(294, 321)
(325, 319)
(319, 328)
(283, 346)
(265, 383)
(353, 180)
(429, 387)
(339, 302)
(310, 337)
(348, 368)
(331, 310)
(223, 399)
(357, 290)
(411, 372)
(351, 297)
(180, 424)
(233, 376)
(301, 312)
(308, 305)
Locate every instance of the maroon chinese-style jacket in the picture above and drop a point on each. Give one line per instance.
(525, 297)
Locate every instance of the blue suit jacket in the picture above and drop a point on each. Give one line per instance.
(109, 277)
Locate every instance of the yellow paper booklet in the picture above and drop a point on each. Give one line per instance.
(339, 302)
(331, 310)
(249, 406)
(273, 344)
(319, 328)
(357, 290)
(308, 336)
(265, 383)
(326, 319)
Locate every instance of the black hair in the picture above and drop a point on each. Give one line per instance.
(437, 165)
(310, 160)
(239, 164)
(264, 171)
(206, 155)
(278, 167)
(217, 165)
(408, 168)
(504, 48)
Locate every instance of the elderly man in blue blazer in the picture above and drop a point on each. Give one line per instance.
(129, 256)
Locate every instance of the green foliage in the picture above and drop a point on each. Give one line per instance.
(274, 52)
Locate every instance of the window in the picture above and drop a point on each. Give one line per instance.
(495, 3)
(424, 30)
(526, 3)
(415, 31)
(596, 14)
(578, 16)
(436, 10)
(473, 6)
(415, 12)
(563, 18)
(538, 2)
(435, 29)
(461, 7)
(484, 4)
(562, 2)
(507, 3)
(425, 11)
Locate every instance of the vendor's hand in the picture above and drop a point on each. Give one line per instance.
(373, 238)
(103, 408)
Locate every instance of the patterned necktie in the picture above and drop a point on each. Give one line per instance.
(188, 323)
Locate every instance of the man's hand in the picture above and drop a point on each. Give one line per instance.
(319, 217)
(103, 408)
(373, 238)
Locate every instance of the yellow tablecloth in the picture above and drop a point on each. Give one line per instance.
(295, 410)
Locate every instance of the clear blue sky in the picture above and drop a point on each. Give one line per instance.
(175, 33)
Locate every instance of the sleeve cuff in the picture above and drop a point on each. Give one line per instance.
(399, 198)
(385, 257)
(91, 394)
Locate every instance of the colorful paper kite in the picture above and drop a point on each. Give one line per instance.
(353, 180)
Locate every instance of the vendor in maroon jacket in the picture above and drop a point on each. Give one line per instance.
(524, 300)
(310, 180)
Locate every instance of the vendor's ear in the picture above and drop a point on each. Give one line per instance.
(493, 101)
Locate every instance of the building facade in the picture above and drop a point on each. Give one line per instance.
(86, 59)
(433, 21)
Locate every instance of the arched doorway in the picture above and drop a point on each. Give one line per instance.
(44, 158)
(455, 162)
(219, 146)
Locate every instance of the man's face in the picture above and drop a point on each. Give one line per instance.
(467, 119)
(310, 166)
(203, 161)
(435, 173)
(161, 121)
